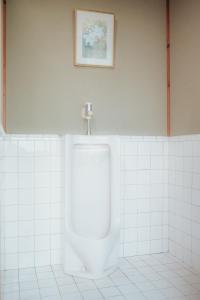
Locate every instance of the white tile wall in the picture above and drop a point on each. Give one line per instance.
(31, 198)
(31, 173)
(184, 199)
(144, 205)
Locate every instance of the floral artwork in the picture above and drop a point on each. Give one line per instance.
(94, 38)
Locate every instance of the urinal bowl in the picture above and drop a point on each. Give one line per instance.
(92, 205)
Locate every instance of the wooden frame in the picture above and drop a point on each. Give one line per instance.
(3, 40)
(94, 38)
(168, 67)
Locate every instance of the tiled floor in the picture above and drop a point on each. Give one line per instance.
(149, 277)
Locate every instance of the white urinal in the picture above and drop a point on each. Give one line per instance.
(92, 205)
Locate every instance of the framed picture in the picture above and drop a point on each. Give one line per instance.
(94, 38)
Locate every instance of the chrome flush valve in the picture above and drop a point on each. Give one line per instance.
(87, 114)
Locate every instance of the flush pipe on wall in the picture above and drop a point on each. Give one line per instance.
(87, 114)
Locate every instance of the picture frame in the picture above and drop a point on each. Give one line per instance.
(94, 38)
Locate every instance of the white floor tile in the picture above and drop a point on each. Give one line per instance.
(74, 296)
(110, 292)
(43, 269)
(121, 281)
(196, 286)
(64, 280)
(27, 271)
(11, 296)
(136, 296)
(28, 285)
(162, 284)
(171, 292)
(116, 298)
(58, 297)
(136, 278)
(29, 277)
(146, 270)
(10, 287)
(86, 286)
(180, 298)
(30, 294)
(187, 289)
(10, 276)
(148, 277)
(128, 289)
(104, 282)
(117, 273)
(82, 280)
(155, 295)
(58, 273)
(192, 279)
(194, 297)
(92, 295)
(45, 275)
(145, 286)
(50, 282)
(49, 291)
(68, 289)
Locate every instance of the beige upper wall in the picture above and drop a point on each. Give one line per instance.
(45, 91)
(185, 66)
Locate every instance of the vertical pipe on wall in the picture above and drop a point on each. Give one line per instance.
(4, 64)
(168, 68)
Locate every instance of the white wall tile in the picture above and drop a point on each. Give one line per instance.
(42, 227)
(184, 187)
(9, 197)
(42, 211)
(10, 229)
(31, 187)
(130, 235)
(144, 248)
(130, 249)
(11, 213)
(9, 180)
(26, 244)
(10, 147)
(130, 220)
(56, 241)
(26, 147)
(43, 195)
(56, 257)
(11, 261)
(26, 212)
(26, 260)
(25, 197)
(26, 228)
(43, 180)
(10, 164)
(26, 180)
(42, 242)
(26, 164)
(11, 245)
(156, 246)
(143, 234)
(42, 258)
